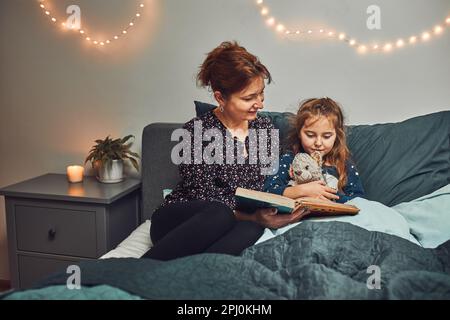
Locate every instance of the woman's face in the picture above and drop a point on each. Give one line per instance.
(245, 104)
(318, 134)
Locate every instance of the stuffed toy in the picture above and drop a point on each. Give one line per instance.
(306, 168)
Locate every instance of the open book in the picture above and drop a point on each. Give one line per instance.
(249, 200)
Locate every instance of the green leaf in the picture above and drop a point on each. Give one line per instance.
(134, 154)
(135, 163)
(116, 141)
(126, 138)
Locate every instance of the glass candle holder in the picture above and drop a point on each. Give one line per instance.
(75, 174)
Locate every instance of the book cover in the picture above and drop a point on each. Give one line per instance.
(249, 200)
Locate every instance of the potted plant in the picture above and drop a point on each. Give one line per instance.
(107, 158)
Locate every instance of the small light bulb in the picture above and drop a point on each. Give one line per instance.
(375, 47)
(425, 36)
(116, 37)
(280, 28)
(330, 34)
(297, 32)
(42, 6)
(352, 42)
(447, 21)
(88, 39)
(138, 14)
(259, 1)
(108, 41)
(388, 47)
(309, 31)
(264, 11)
(413, 39)
(102, 43)
(95, 42)
(53, 19)
(438, 29)
(342, 36)
(81, 31)
(400, 43)
(271, 21)
(288, 32)
(142, 5)
(124, 31)
(131, 24)
(47, 12)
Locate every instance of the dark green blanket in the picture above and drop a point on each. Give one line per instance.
(327, 260)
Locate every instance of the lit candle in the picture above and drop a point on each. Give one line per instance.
(75, 173)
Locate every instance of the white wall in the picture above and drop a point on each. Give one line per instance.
(57, 94)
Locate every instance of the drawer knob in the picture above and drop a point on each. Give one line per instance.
(51, 233)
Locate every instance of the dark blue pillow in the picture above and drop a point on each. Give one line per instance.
(280, 120)
(202, 108)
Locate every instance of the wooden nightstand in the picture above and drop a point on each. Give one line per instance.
(52, 223)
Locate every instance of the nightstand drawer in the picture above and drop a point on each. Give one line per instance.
(32, 269)
(56, 230)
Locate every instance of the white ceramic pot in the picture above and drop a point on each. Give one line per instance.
(111, 172)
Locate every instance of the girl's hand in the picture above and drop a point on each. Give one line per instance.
(269, 217)
(318, 189)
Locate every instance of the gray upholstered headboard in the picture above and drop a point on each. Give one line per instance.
(158, 171)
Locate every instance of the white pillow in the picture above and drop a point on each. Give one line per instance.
(135, 245)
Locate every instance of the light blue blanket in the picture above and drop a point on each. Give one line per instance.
(374, 216)
(424, 221)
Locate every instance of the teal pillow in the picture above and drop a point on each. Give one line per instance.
(400, 162)
(280, 120)
(428, 217)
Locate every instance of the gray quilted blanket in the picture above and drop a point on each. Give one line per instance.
(330, 260)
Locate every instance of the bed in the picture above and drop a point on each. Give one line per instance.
(397, 247)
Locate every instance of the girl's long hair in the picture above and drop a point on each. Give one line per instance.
(326, 107)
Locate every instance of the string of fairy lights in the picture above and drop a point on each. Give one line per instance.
(361, 47)
(89, 36)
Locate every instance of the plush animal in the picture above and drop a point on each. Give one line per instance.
(307, 168)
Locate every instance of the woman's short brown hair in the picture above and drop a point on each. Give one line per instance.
(229, 68)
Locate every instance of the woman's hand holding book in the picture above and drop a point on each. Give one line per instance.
(269, 218)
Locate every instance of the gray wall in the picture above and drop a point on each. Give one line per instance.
(58, 94)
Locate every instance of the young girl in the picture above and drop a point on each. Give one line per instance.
(319, 127)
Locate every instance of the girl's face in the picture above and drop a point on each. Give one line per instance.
(245, 104)
(318, 134)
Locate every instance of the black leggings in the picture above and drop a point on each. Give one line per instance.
(187, 228)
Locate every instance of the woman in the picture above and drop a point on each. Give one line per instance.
(200, 214)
